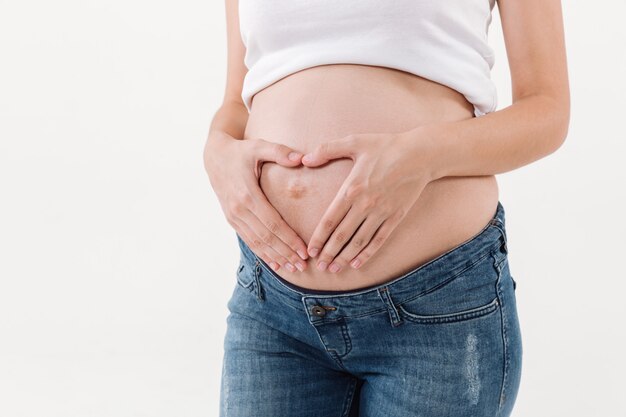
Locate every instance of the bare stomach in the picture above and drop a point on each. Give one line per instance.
(327, 102)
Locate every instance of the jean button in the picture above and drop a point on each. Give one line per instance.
(318, 311)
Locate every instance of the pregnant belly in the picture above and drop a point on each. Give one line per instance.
(332, 101)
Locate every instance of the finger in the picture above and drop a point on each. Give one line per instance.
(330, 220)
(360, 239)
(270, 256)
(339, 238)
(288, 243)
(271, 218)
(333, 215)
(283, 253)
(332, 149)
(377, 241)
(256, 245)
(276, 152)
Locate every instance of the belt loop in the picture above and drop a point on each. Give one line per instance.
(500, 226)
(394, 317)
(257, 279)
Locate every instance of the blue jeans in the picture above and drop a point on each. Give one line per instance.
(441, 340)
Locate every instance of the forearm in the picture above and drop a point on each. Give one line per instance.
(229, 123)
(230, 119)
(530, 129)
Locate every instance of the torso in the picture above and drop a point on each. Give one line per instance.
(327, 102)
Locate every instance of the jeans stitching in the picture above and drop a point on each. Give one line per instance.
(453, 317)
(346, 338)
(500, 258)
(349, 398)
(257, 280)
(447, 281)
(504, 343)
(385, 296)
(399, 278)
(333, 354)
(241, 270)
(330, 351)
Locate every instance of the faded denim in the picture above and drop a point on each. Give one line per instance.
(442, 340)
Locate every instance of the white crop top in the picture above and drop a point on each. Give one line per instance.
(441, 40)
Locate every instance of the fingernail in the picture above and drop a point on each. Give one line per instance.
(321, 265)
(334, 267)
(299, 266)
(290, 267)
(274, 265)
(313, 252)
(302, 254)
(294, 156)
(356, 263)
(307, 158)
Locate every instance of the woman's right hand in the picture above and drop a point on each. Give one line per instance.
(234, 166)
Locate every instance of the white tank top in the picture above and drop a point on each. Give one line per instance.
(444, 41)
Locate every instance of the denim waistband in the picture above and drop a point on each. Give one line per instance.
(366, 300)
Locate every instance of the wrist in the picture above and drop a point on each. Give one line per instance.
(220, 135)
(214, 148)
(217, 139)
(427, 143)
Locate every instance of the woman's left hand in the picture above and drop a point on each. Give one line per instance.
(390, 172)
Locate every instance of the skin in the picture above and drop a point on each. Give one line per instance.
(417, 182)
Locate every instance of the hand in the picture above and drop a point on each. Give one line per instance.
(233, 167)
(390, 172)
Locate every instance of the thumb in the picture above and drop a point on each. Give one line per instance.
(276, 152)
(332, 149)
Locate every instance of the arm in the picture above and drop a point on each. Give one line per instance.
(231, 118)
(232, 165)
(536, 124)
(391, 170)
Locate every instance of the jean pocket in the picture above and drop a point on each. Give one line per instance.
(469, 294)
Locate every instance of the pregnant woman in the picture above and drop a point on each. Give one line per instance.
(355, 155)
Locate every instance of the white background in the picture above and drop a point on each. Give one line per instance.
(116, 261)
